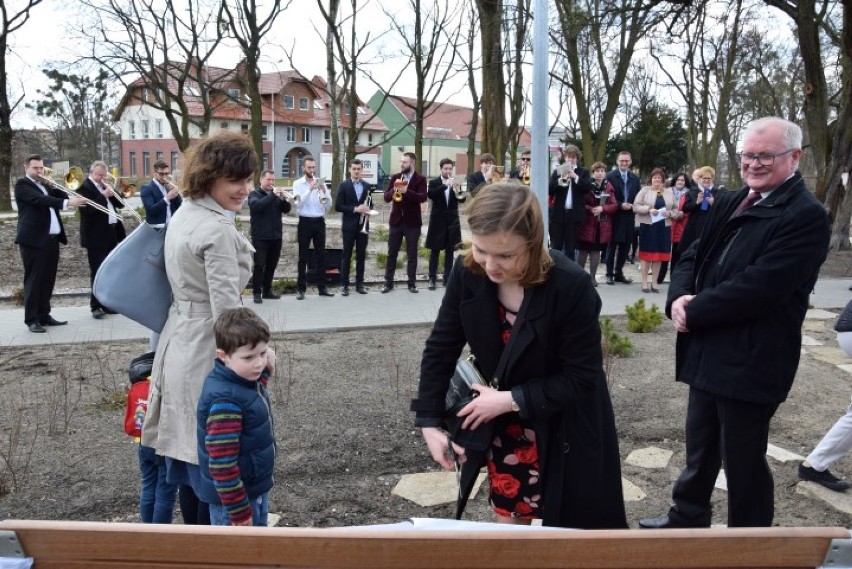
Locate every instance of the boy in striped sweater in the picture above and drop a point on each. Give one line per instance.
(236, 442)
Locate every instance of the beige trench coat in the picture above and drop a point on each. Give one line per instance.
(208, 262)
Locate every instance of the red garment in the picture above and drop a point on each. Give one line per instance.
(590, 225)
(678, 225)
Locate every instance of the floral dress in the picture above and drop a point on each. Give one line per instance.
(512, 461)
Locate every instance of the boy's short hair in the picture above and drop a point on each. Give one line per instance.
(598, 166)
(239, 327)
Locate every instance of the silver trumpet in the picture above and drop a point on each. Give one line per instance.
(290, 196)
(564, 170)
(456, 185)
(364, 222)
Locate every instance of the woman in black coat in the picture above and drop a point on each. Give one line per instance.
(554, 454)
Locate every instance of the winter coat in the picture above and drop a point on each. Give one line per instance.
(591, 224)
(266, 209)
(444, 229)
(752, 275)
(679, 225)
(645, 201)
(844, 322)
(697, 216)
(623, 221)
(208, 262)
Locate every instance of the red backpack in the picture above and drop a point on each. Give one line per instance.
(137, 406)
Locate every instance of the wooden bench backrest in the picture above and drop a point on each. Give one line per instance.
(105, 545)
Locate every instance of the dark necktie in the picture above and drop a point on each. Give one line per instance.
(747, 202)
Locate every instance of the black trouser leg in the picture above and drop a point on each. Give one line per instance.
(194, 511)
(664, 268)
(39, 278)
(557, 236)
(361, 240)
(273, 254)
(311, 230)
(621, 258)
(259, 268)
(96, 257)
(448, 262)
(434, 254)
(346, 257)
(569, 245)
(412, 242)
(395, 233)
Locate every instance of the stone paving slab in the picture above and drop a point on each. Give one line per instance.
(809, 341)
(846, 367)
(432, 488)
(632, 493)
(651, 457)
(814, 325)
(840, 501)
(820, 314)
(830, 355)
(721, 481)
(782, 455)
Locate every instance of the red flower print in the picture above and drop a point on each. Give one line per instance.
(523, 509)
(505, 485)
(527, 455)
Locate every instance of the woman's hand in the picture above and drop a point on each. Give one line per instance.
(596, 211)
(439, 446)
(487, 406)
(270, 361)
(653, 211)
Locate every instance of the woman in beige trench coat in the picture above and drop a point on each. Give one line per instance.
(208, 262)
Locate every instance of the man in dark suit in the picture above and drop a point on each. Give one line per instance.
(567, 197)
(523, 167)
(39, 234)
(99, 232)
(626, 186)
(160, 197)
(266, 205)
(483, 176)
(353, 202)
(405, 218)
(444, 233)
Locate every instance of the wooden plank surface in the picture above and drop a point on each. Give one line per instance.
(103, 545)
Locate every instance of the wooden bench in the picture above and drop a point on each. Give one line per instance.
(106, 545)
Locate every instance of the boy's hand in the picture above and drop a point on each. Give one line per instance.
(270, 361)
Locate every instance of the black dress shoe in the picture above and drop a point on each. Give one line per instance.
(324, 292)
(37, 328)
(610, 280)
(271, 295)
(412, 288)
(622, 279)
(258, 299)
(300, 295)
(98, 313)
(344, 291)
(432, 285)
(663, 522)
(361, 290)
(387, 288)
(51, 321)
(108, 311)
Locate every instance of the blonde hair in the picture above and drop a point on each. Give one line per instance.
(510, 207)
(705, 171)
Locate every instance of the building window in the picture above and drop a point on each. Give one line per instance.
(264, 132)
(289, 101)
(291, 134)
(370, 138)
(159, 155)
(234, 94)
(143, 94)
(131, 129)
(317, 105)
(326, 136)
(306, 134)
(174, 160)
(132, 160)
(285, 167)
(244, 128)
(266, 160)
(145, 129)
(223, 125)
(303, 103)
(158, 128)
(146, 164)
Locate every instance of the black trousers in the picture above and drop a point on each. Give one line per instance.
(434, 257)
(735, 432)
(358, 241)
(616, 256)
(563, 235)
(311, 230)
(665, 265)
(412, 240)
(40, 265)
(266, 255)
(96, 257)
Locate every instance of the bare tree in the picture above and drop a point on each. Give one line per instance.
(517, 23)
(470, 65)
(167, 49)
(494, 139)
(10, 22)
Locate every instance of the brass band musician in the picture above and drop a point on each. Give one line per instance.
(353, 202)
(444, 233)
(266, 205)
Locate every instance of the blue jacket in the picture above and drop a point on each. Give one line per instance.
(257, 440)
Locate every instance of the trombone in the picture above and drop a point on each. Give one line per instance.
(73, 180)
(127, 190)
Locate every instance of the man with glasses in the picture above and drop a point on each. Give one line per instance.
(738, 298)
(626, 186)
(523, 166)
(160, 197)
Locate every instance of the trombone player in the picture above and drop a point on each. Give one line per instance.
(314, 203)
(40, 231)
(352, 200)
(266, 205)
(99, 232)
(444, 232)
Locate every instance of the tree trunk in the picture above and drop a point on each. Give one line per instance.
(333, 94)
(493, 82)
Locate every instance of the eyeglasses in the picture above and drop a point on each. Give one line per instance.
(525, 159)
(163, 173)
(764, 158)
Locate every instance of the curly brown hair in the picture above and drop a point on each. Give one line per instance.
(227, 155)
(511, 207)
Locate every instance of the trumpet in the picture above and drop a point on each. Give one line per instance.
(126, 191)
(456, 186)
(364, 222)
(398, 184)
(563, 171)
(290, 196)
(525, 173)
(319, 186)
(73, 180)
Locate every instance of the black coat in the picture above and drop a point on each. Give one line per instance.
(751, 275)
(96, 231)
(444, 229)
(265, 210)
(557, 194)
(697, 216)
(623, 221)
(556, 364)
(34, 212)
(474, 182)
(346, 202)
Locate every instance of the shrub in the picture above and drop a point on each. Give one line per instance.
(382, 260)
(641, 319)
(18, 296)
(284, 286)
(379, 234)
(613, 345)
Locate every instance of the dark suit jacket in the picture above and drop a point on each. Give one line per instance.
(623, 221)
(265, 210)
(558, 194)
(444, 229)
(155, 203)
(556, 374)
(407, 212)
(96, 232)
(346, 202)
(475, 181)
(34, 212)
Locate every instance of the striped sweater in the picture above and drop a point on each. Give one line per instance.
(224, 426)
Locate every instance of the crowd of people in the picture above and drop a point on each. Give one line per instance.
(741, 263)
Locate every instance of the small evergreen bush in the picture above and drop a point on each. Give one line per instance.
(641, 319)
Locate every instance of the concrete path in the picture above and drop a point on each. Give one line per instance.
(317, 314)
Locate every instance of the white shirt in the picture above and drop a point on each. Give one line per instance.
(447, 183)
(112, 218)
(309, 201)
(54, 221)
(569, 199)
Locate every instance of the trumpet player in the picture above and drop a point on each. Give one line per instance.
(444, 232)
(483, 176)
(567, 191)
(353, 202)
(160, 197)
(405, 219)
(266, 205)
(313, 204)
(99, 232)
(39, 233)
(523, 171)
